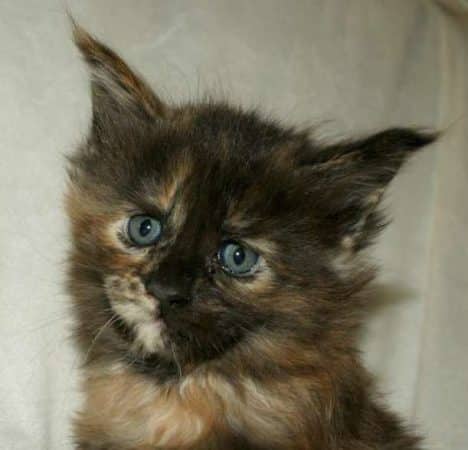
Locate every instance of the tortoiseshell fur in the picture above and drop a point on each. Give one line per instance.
(264, 362)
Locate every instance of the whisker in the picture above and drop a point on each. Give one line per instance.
(112, 320)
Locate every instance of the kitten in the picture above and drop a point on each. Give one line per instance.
(217, 275)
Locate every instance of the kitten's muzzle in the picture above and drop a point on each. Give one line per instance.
(169, 298)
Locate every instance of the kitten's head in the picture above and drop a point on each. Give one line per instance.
(203, 230)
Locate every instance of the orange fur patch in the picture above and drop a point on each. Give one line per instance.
(132, 411)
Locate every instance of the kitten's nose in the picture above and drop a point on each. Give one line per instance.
(169, 297)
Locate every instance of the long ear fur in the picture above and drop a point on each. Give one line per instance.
(119, 95)
(353, 175)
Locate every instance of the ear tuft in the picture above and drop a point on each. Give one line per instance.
(115, 87)
(353, 175)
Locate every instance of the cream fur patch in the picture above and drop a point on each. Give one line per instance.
(139, 310)
(135, 412)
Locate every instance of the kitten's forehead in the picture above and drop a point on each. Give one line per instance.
(164, 188)
(221, 166)
(222, 192)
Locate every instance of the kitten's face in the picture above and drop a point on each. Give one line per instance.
(200, 234)
(200, 229)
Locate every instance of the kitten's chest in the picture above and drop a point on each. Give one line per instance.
(129, 411)
(132, 412)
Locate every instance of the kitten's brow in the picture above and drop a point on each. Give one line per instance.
(167, 190)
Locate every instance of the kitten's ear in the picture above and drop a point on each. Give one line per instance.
(119, 96)
(352, 177)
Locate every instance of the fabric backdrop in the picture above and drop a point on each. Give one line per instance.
(348, 66)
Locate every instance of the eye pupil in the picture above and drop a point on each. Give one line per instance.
(236, 259)
(143, 230)
(145, 227)
(239, 256)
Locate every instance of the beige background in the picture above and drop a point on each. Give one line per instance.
(351, 66)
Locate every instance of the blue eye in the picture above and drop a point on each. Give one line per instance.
(143, 230)
(237, 259)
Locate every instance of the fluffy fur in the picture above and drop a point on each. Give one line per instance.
(266, 361)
